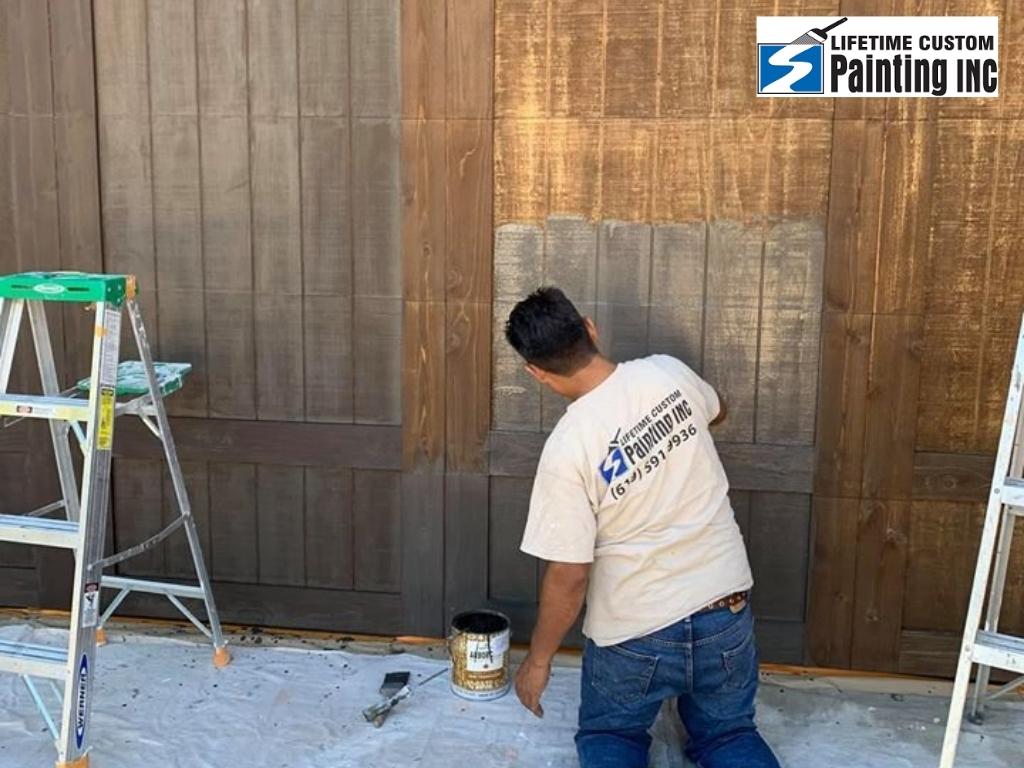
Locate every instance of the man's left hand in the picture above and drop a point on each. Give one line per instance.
(531, 680)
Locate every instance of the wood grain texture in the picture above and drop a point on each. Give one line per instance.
(469, 195)
(467, 499)
(424, 59)
(512, 575)
(952, 476)
(520, 172)
(424, 392)
(377, 516)
(424, 209)
(221, 441)
(631, 61)
(137, 499)
(329, 529)
(678, 270)
(376, 208)
(574, 168)
(376, 76)
(521, 57)
(272, 58)
(323, 57)
(468, 380)
(882, 545)
(787, 373)
(778, 546)
(470, 59)
(732, 299)
(377, 360)
(622, 314)
(832, 584)
(280, 517)
(842, 404)
(234, 524)
(422, 554)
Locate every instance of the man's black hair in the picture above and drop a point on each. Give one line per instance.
(549, 332)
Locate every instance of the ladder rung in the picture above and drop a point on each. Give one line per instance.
(34, 660)
(39, 531)
(1013, 494)
(999, 651)
(43, 407)
(152, 587)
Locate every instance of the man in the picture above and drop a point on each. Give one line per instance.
(630, 509)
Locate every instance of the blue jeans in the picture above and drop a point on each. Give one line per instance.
(707, 661)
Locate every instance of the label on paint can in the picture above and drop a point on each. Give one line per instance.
(91, 605)
(486, 655)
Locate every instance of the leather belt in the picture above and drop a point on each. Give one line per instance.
(735, 602)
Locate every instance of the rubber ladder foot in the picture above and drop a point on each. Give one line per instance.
(82, 762)
(101, 637)
(221, 657)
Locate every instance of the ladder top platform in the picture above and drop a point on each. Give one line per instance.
(131, 378)
(68, 286)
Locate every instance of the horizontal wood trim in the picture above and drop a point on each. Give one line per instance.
(952, 476)
(268, 442)
(750, 466)
(292, 607)
(934, 654)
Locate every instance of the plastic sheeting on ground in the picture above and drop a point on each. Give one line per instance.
(159, 701)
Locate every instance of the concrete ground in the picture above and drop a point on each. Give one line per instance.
(296, 702)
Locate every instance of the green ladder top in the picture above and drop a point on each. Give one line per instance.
(68, 286)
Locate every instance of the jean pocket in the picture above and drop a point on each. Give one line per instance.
(622, 675)
(740, 663)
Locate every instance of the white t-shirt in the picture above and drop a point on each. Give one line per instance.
(630, 480)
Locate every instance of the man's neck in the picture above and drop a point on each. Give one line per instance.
(592, 375)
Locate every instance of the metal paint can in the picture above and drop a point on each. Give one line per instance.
(479, 646)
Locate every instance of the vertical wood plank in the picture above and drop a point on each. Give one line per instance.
(512, 574)
(424, 386)
(377, 516)
(787, 374)
(424, 209)
(892, 406)
(329, 530)
(832, 581)
(470, 59)
(521, 57)
(323, 57)
(469, 196)
(465, 541)
(280, 515)
(520, 171)
(623, 288)
(631, 58)
(327, 372)
(376, 86)
(779, 536)
(376, 208)
(468, 376)
(138, 512)
(377, 360)
(731, 322)
(422, 554)
(688, 58)
(842, 404)
(424, 59)
(880, 584)
(678, 264)
(574, 168)
(234, 524)
(273, 58)
(518, 250)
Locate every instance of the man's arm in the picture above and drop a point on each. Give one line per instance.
(722, 412)
(561, 598)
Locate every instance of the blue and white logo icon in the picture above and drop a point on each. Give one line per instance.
(614, 464)
(797, 67)
(790, 68)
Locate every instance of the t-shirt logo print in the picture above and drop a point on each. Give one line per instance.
(615, 463)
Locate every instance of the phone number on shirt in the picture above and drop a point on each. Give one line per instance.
(640, 471)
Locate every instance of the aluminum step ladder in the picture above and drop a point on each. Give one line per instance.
(113, 389)
(983, 644)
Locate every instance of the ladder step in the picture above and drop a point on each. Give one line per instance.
(1000, 651)
(152, 587)
(1013, 494)
(34, 660)
(39, 531)
(43, 407)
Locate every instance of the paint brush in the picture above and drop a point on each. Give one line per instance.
(379, 712)
(817, 36)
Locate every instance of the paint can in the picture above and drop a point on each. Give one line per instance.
(479, 646)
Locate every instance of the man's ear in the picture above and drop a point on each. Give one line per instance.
(538, 373)
(591, 330)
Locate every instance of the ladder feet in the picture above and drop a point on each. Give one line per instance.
(221, 657)
(101, 636)
(82, 762)
(977, 718)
